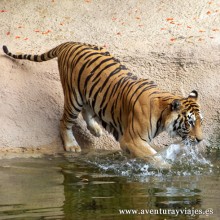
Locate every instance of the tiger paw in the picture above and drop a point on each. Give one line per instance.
(76, 148)
(160, 163)
(95, 130)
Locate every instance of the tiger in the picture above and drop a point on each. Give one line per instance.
(108, 95)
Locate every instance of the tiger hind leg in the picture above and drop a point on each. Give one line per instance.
(69, 141)
(69, 116)
(92, 124)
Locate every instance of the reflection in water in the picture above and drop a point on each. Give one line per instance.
(102, 186)
(120, 184)
(30, 188)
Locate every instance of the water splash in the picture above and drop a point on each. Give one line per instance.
(184, 154)
(184, 161)
(132, 168)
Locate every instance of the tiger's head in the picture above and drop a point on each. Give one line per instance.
(186, 119)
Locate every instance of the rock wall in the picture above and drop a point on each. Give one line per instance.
(175, 44)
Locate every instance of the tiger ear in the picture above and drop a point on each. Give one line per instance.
(193, 95)
(175, 105)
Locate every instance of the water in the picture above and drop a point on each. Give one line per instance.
(107, 185)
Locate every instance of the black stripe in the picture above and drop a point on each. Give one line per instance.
(104, 124)
(81, 56)
(105, 95)
(129, 88)
(76, 109)
(68, 120)
(159, 122)
(70, 114)
(86, 83)
(139, 87)
(69, 58)
(93, 61)
(66, 56)
(106, 53)
(112, 114)
(119, 124)
(118, 83)
(131, 135)
(79, 77)
(75, 97)
(120, 118)
(143, 138)
(93, 71)
(150, 108)
(101, 63)
(184, 102)
(117, 70)
(104, 109)
(100, 72)
(5, 49)
(115, 134)
(69, 103)
(92, 88)
(144, 90)
(194, 105)
(180, 122)
(94, 98)
(112, 92)
(43, 57)
(123, 67)
(35, 58)
(65, 64)
(175, 122)
(71, 72)
(116, 60)
(91, 54)
(125, 82)
(100, 113)
(118, 95)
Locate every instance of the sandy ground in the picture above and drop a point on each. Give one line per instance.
(175, 43)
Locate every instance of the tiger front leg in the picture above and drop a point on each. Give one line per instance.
(136, 147)
(69, 141)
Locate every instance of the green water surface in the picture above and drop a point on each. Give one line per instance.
(103, 186)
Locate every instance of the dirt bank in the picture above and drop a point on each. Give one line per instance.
(175, 44)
